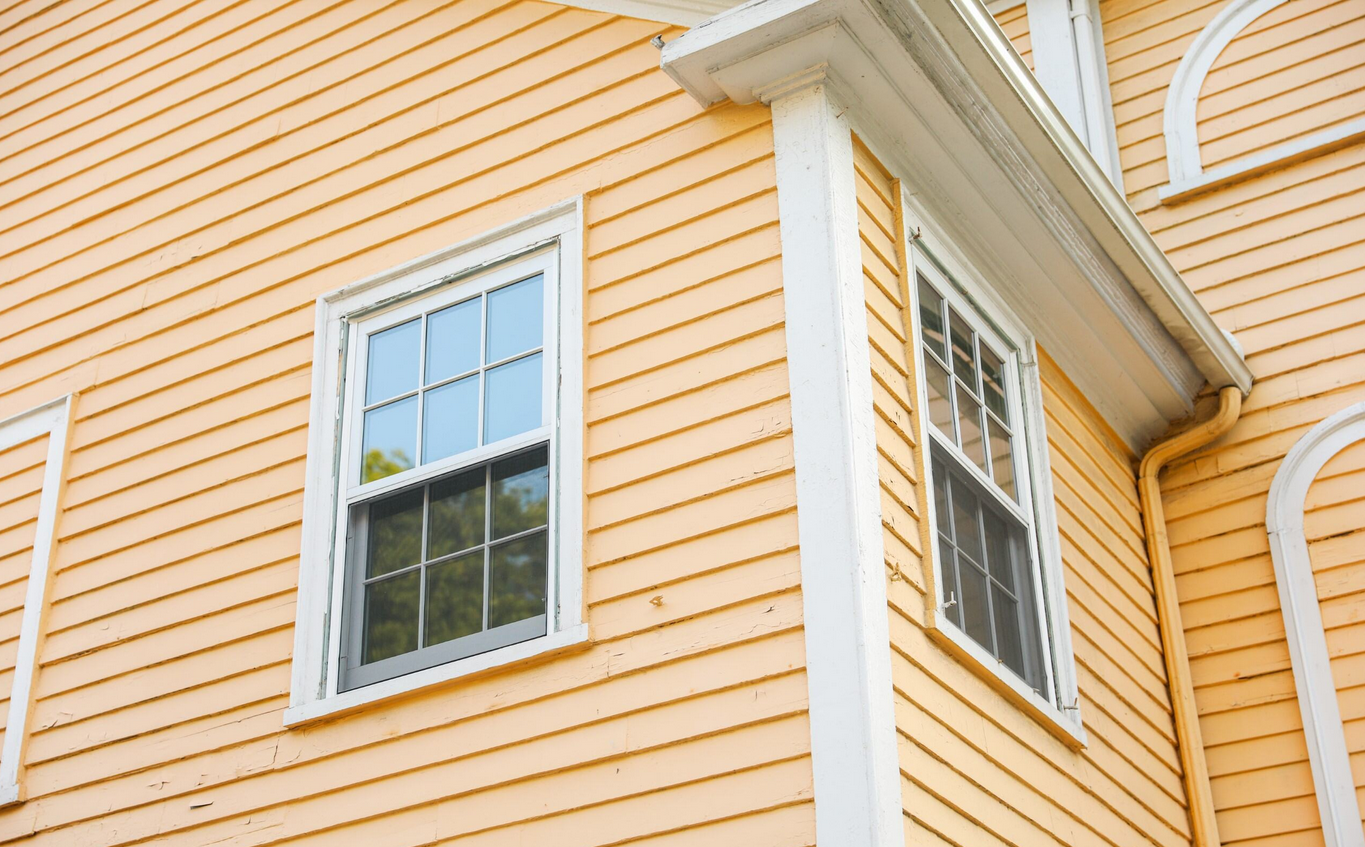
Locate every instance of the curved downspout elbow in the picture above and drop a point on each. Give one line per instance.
(1203, 826)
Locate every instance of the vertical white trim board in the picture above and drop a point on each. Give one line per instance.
(1303, 628)
(52, 419)
(848, 655)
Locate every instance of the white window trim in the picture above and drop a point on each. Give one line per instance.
(557, 230)
(1184, 161)
(54, 420)
(1303, 627)
(1060, 710)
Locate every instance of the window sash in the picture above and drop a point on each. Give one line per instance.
(346, 561)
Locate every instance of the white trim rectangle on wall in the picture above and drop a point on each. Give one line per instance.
(549, 243)
(53, 420)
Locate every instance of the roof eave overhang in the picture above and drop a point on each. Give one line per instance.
(934, 87)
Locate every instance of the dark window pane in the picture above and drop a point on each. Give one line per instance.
(516, 580)
(941, 498)
(964, 354)
(998, 558)
(453, 340)
(515, 319)
(969, 422)
(457, 513)
(455, 598)
(390, 442)
(521, 491)
(993, 382)
(966, 531)
(511, 404)
(940, 406)
(931, 318)
(1011, 649)
(450, 422)
(392, 366)
(1002, 459)
(391, 616)
(975, 612)
(395, 533)
(948, 592)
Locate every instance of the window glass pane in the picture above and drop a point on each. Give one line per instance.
(514, 319)
(993, 382)
(521, 492)
(998, 559)
(457, 514)
(512, 404)
(1010, 647)
(966, 531)
(395, 533)
(450, 421)
(516, 580)
(940, 406)
(1002, 459)
(392, 367)
(948, 568)
(969, 421)
(391, 616)
(453, 340)
(454, 598)
(931, 318)
(975, 613)
(964, 355)
(390, 442)
(941, 497)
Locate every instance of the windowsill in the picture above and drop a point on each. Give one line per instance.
(1068, 730)
(550, 646)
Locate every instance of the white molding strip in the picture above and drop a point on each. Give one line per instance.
(848, 656)
(312, 681)
(1184, 162)
(52, 419)
(1303, 627)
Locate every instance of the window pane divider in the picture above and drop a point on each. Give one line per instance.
(968, 466)
(483, 453)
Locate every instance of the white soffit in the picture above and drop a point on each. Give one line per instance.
(999, 171)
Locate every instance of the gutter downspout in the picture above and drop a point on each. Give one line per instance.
(1191, 743)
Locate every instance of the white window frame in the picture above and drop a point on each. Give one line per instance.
(548, 242)
(1057, 706)
(52, 419)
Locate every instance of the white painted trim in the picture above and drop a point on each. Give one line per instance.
(1058, 709)
(854, 756)
(680, 12)
(1303, 627)
(53, 419)
(557, 228)
(1268, 159)
(1184, 161)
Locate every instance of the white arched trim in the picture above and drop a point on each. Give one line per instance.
(1303, 622)
(1183, 160)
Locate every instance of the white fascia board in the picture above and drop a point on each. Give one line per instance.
(960, 118)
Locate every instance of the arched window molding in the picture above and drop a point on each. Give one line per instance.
(1303, 626)
(1183, 159)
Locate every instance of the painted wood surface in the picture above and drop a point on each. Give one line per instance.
(975, 768)
(1279, 260)
(179, 181)
(21, 486)
(1014, 22)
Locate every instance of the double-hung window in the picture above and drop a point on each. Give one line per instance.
(452, 475)
(991, 590)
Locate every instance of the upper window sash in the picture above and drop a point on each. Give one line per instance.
(361, 329)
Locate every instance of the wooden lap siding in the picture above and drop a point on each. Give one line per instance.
(1335, 532)
(1014, 22)
(179, 183)
(974, 768)
(1279, 260)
